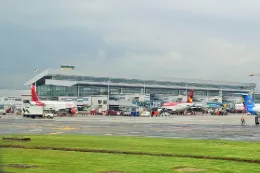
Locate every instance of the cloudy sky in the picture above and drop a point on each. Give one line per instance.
(202, 39)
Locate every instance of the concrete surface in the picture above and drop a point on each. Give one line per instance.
(200, 127)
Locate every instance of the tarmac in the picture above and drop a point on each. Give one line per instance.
(196, 127)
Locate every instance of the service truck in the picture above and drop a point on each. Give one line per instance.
(34, 111)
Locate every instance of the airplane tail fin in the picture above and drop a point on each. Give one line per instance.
(190, 97)
(247, 100)
(34, 94)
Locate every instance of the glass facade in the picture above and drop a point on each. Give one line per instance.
(257, 97)
(89, 90)
(131, 90)
(214, 93)
(224, 93)
(47, 90)
(44, 90)
(116, 90)
(151, 82)
(131, 86)
(92, 90)
(200, 93)
(161, 91)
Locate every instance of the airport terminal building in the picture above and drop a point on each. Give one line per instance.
(67, 82)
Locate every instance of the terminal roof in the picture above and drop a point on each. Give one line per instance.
(50, 72)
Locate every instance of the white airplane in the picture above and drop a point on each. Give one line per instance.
(179, 106)
(201, 104)
(239, 107)
(208, 103)
(251, 107)
(54, 105)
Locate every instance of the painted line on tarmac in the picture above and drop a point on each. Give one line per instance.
(97, 126)
(132, 135)
(65, 128)
(35, 130)
(121, 133)
(56, 133)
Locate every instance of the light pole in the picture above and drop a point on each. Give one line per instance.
(186, 91)
(253, 90)
(220, 95)
(207, 93)
(144, 89)
(108, 94)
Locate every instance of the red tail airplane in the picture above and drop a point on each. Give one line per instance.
(189, 100)
(56, 105)
(179, 106)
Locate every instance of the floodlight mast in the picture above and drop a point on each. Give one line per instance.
(251, 75)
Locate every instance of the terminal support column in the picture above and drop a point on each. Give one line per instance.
(108, 95)
(220, 95)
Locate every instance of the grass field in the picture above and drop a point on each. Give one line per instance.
(64, 161)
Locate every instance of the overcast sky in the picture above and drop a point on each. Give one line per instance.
(202, 39)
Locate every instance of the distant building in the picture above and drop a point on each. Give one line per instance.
(14, 97)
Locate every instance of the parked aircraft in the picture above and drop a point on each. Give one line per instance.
(179, 106)
(239, 107)
(205, 105)
(54, 105)
(251, 107)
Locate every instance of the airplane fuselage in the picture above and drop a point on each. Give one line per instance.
(179, 107)
(255, 110)
(52, 105)
(201, 105)
(56, 105)
(239, 107)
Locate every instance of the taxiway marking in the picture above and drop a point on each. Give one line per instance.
(55, 133)
(65, 128)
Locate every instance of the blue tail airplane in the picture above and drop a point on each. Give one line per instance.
(250, 106)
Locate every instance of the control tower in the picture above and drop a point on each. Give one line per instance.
(67, 67)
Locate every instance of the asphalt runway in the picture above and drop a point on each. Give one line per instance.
(196, 127)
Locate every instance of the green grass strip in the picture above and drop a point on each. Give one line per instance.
(132, 153)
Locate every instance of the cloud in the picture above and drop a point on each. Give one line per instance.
(215, 40)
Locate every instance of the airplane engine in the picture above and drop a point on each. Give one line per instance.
(73, 111)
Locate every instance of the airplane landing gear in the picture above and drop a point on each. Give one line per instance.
(256, 120)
